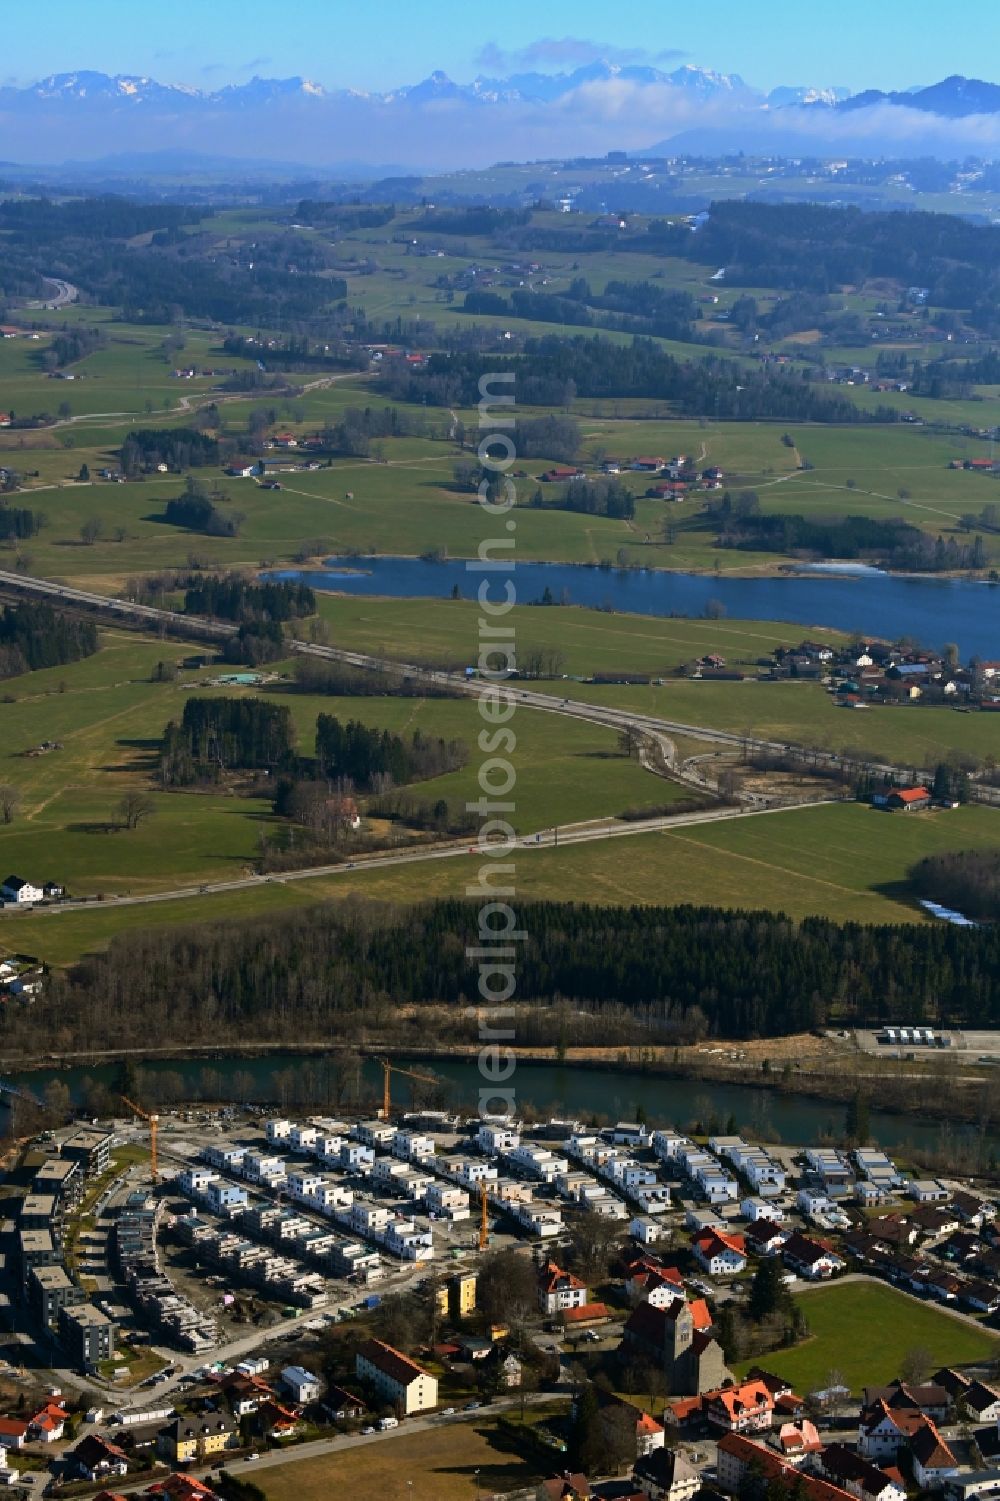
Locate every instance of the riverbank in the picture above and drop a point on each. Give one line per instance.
(796, 1071)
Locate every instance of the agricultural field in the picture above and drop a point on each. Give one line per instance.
(108, 717)
(453, 1462)
(444, 632)
(806, 714)
(842, 861)
(841, 1318)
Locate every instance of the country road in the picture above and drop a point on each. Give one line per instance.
(571, 834)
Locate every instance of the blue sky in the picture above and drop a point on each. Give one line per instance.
(378, 44)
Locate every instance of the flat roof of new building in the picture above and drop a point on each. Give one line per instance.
(87, 1314)
(42, 1206)
(87, 1137)
(36, 1240)
(52, 1276)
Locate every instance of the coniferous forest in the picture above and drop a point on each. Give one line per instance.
(677, 971)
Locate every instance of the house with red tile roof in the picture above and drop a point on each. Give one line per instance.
(586, 1313)
(659, 1287)
(747, 1407)
(559, 1290)
(933, 1460)
(396, 1377)
(794, 1441)
(48, 1424)
(566, 1487)
(883, 1430)
(95, 1457)
(13, 1432)
(865, 1481)
(738, 1456)
(720, 1253)
(181, 1488)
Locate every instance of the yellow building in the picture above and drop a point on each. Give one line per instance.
(465, 1289)
(456, 1298)
(187, 1439)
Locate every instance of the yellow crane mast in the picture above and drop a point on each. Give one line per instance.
(393, 1068)
(484, 1218)
(154, 1121)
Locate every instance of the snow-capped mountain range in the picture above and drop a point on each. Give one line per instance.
(95, 90)
(526, 115)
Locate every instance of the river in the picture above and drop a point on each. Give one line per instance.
(849, 598)
(761, 1113)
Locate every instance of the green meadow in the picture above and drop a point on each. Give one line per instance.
(841, 861)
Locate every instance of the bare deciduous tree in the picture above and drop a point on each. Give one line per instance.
(134, 808)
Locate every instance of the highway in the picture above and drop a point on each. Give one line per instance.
(199, 628)
(65, 294)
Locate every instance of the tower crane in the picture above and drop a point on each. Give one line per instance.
(484, 1220)
(393, 1068)
(154, 1121)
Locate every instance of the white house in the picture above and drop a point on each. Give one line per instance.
(720, 1254)
(226, 1198)
(452, 1202)
(194, 1180)
(369, 1219)
(375, 1133)
(538, 1161)
(559, 1290)
(16, 889)
(412, 1146)
(665, 1475)
(644, 1231)
(927, 1191)
(405, 1240)
(302, 1384)
(494, 1137)
(356, 1158)
(757, 1209)
(809, 1258)
(812, 1202)
(278, 1130)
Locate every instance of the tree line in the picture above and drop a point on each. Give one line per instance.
(18, 523)
(968, 881)
(177, 447)
(590, 497)
(553, 371)
(372, 758)
(317, 675)
(314, 972)
(231, 597)
(818, 248)
(893, 543)
(197, 513)
(217, 735)
(33, 636)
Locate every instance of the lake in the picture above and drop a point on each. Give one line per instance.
(844, 597)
